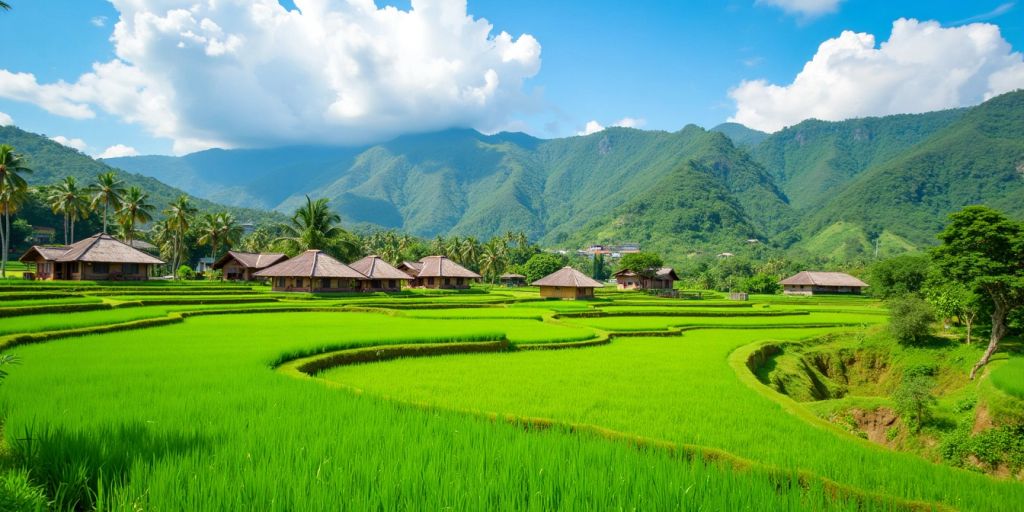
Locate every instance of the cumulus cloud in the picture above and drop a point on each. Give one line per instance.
(922, 67)
(117, 150)
(5, 120)
(251, 73)
(805, 8)
(78, 144)
(626, 122)
(98, 21)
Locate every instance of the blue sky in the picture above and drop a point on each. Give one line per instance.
(661, 65)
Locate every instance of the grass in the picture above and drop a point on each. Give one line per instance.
(1009, 377)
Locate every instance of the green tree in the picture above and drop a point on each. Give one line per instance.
(540, 265)
(913, 397)
(899, 275)
(910, 319)
(135, 209)
(761, 283)
(107, 191)
(645, 264)
(260, 240)
(178, 221)
(315, 226)
(953, 300)
(984, 250)
(219, 229)
(70, 201)
(599, 270)
(13, 192)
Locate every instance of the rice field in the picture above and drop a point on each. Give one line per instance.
(208, 413)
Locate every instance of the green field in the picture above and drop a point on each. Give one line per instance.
(211, 412)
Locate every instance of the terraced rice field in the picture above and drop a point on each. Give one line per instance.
(653, 408)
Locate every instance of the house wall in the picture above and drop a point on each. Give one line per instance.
(442, 283)
(234, 271)
(381, 285)
(807, 289)
(566, 292)
(313, 285)
(90, 271)
(628, 283)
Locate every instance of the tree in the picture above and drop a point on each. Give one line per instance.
(599, 271)
(176, 225)
(899, 275)
(984, 250)
(540, 265)
(135, 208)
(13, 190)
(644, 264)
(260, 240)
(761, 283)
(67, 199)
(910, 319)
(914, 396)
(315, 226)
(953, 299)
(107, 191)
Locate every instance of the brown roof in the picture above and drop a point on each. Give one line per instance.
(662, 274)
(253, 260)
(99, 248)
(375, 268)
(440, 266)
(312, 263)
(49, 253)
(568, 277)
(512, 276)
(824, 279)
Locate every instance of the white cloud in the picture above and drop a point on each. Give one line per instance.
(118, 150)
(805, 8)
(5, 120)
(98, 21)
(922, 67)
(994, 13)
(78, 144)
(626, 122)
(251, 73)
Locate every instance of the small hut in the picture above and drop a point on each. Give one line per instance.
(312, 271)
(100, 257)
(240, 266)
(814, 283)
(661, 279)
(380, 276)
(439, 272)
(512, 280)
(567, 283)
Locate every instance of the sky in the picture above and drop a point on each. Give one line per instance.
(129, 77)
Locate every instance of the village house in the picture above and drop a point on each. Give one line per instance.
(380, 276)
(811, 283)
(512, 280)
(240, 266)
(312, 271)
(663, 278)
(438, 272)
(100, 257)
(567, 283)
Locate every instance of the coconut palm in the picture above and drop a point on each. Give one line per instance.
(135, 208)
(178, 221)
(68, 199)
(107, 191)
(218, 229)
(492, 261)
(13, 189)
(315, 226)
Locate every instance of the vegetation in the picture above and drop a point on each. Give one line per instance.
(13, 189)
(912, 318)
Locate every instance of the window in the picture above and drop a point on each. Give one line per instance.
(430, 280)
(130, 268)
(447, 281)
(298, 282)
(280, 282)
(100, 268)
(391, 283)
(325, 283)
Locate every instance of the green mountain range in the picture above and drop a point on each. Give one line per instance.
(833, 189)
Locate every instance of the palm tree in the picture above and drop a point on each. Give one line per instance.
(179, 220)
(66, 198)
(217, 229)
(5, 6)
(106, 191)
(315, 226)
(492, 262)
(469, 251)
(230, 230)
(13, 189)
(135, 208)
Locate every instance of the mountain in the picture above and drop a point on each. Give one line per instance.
(51, 162)
(741, 135)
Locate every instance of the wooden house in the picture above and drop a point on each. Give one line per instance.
(314, 272)
(567, 283)
(663, 278)
(380, 276)
(438, 272)
(100, 257)
(512, 280)
(241, 266)
(813, 283)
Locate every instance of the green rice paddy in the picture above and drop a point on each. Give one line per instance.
(209, 413)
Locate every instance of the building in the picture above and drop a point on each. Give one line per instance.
(380, 276)
(312, 271)
(240, 266)
(567, 283)
(438, 272)
(43, 235)
(512, 280)
(100, 257)
(611, 251)
(663, 278)
(204, 264)
(811, 283)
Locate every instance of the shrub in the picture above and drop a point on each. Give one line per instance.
(760, 283)
(913, 398)
(214, 275)
(898, 276)
(911, 319)
(185, 272)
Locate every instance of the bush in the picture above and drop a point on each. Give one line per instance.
(897, 276)
(761, 283)
(213, 275)
(911, 319)
(913, 398)
(540, 265)
(185, 272)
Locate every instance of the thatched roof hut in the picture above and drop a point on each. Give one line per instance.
(100, 257)
(811, 282)
(240, 266)
(661, 279)
(567, 283)
(312, 271)
(439, 272)
(380, 275)
(510, 279)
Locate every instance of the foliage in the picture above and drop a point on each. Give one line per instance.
(68, 199)
(17, 492)
(135, 209)
(761, 283)
(994, 447)
(185, 272)
(13, 193)
(315, 226)
(106, 192)
(911, 319)
(644, 264)
(951, 299)
(913, 398)
(898, 276)
(542, 264)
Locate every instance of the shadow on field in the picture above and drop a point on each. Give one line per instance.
(71, 465)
